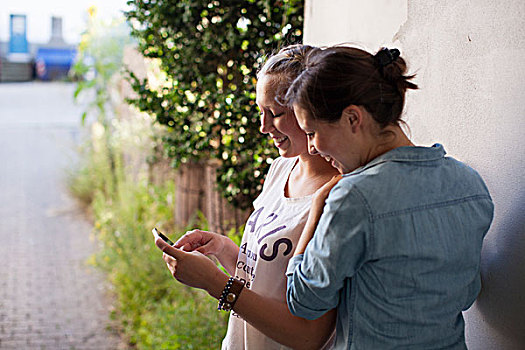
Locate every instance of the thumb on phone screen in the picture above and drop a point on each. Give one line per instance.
(167, 248)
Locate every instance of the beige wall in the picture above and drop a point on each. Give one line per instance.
(469, 57)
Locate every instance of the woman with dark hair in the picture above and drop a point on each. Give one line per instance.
(396, 244)
(256, 290)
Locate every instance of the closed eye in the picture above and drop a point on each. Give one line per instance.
(273, 115)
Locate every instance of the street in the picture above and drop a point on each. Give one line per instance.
(50, 298)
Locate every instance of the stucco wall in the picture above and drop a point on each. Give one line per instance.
(469, 57)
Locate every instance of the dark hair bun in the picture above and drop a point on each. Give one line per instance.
(393, 68)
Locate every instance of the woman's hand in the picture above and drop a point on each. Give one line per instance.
(208, 243)
(202, 241)
(267, 314)
(316, 210)
(322, 193)
(192, 268)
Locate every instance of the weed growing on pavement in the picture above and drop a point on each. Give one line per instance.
(154, 311)
(90, 175)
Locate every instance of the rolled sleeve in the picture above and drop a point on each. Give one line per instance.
(297, 290)
(292, 264)
(336, 251)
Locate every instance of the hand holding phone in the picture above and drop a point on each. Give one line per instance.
(190, 268)
(161, 235)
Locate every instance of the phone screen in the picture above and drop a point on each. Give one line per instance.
(164, 238)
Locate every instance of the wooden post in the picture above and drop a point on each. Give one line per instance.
(189, 192)
(221, 215)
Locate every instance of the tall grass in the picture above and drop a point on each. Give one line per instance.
(154, 310)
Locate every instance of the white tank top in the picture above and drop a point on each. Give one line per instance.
(270, 237)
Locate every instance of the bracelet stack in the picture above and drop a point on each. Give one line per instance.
(230, 294)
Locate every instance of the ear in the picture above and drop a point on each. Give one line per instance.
(354, 116)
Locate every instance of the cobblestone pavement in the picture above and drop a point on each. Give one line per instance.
(49, 297)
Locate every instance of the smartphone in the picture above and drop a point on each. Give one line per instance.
(161, 235)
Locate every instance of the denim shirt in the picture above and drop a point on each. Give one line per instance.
(397, 251)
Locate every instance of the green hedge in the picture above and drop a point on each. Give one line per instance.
(210, 52)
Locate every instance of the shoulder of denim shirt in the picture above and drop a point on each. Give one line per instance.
(404, 154)
(346, 191)
(383, 167)
(380, 176)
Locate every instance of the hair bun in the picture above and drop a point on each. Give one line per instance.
(385, 56)
(393, 68)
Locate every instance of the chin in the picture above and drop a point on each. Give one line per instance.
(287, 154)
(341, 168)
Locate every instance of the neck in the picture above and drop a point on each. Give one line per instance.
(388, 139)
(308, 175)
(312, 165)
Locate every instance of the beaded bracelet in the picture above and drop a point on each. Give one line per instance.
(230, 294)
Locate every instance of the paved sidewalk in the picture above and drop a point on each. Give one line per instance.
(49, 297)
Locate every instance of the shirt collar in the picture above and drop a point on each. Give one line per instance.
(405, 154)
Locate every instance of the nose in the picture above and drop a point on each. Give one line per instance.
(311, 149)
(266, 123)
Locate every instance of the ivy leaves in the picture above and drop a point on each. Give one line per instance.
(210, 52)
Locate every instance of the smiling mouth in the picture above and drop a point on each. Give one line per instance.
(279, 140)
(327, 158)
(332, 161)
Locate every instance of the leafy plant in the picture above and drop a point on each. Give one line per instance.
(210, 52)
(155, 311)
(152, 310)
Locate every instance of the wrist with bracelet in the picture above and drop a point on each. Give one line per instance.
(230, 294)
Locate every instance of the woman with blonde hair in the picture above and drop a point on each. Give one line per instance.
(255, 289)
